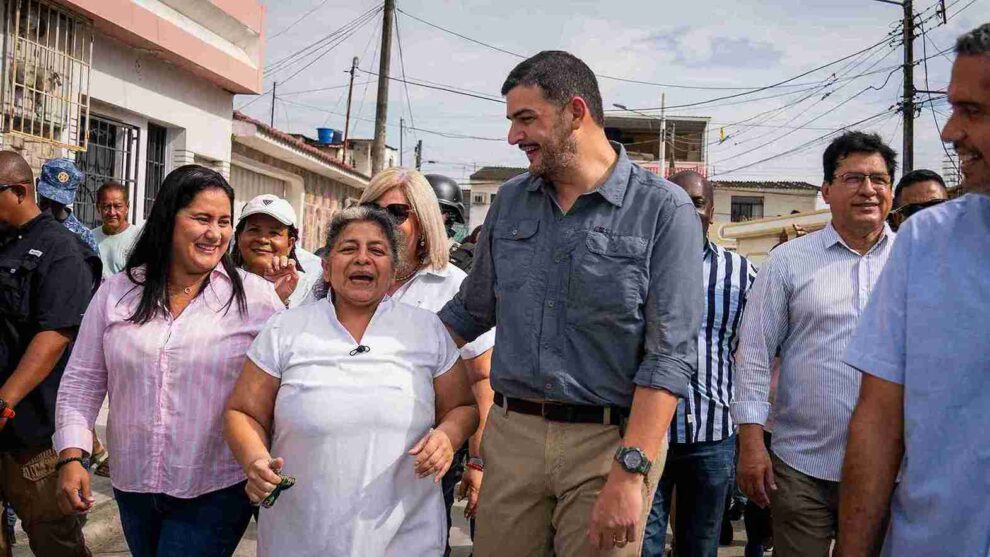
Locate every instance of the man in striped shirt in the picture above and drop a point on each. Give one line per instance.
(806, 302)
(701, 456)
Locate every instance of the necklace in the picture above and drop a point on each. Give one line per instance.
(410, 275)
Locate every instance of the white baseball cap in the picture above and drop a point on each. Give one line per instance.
(273, 206)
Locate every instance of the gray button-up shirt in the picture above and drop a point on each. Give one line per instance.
(590, 303)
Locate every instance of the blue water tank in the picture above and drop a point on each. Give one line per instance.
(338, 137)
(325, 135)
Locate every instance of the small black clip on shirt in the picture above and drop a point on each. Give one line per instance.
(360, 350)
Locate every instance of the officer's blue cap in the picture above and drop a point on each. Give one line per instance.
(59, 181)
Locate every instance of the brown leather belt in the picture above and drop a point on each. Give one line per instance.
(562, 412)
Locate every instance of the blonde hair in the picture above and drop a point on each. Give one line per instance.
(425, 206)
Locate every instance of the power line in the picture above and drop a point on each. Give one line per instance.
(402, 65)
(315, 46)
(603, 76)
(296, 22)
(436, 87)
(449, 135)
(333, 88)
(938, 127)
(806, 144)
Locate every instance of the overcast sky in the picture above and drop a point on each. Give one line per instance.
(702, 43)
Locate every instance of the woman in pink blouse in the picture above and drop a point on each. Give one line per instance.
(166, 340)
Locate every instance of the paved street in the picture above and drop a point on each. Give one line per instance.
(106, 539)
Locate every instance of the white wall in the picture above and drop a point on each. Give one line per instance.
(480, 210)
(136, 87)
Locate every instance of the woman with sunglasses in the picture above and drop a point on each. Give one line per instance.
(426, 279)
(166, 339)
(361, 400)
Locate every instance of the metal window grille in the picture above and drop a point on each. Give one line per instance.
(746, 208)
(154, 172)
(111, 154)
(47, 54)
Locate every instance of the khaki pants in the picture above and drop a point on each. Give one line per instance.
(541, 481)
(805, 513)
(28, 481)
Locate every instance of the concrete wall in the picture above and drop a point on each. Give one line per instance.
(776, 203)
(479, 210)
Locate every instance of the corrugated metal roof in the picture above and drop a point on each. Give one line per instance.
(497, 173)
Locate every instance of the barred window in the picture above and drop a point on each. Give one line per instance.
(44, 94)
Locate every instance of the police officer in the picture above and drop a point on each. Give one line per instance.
(57, 190)
(451, 201)
(47, 276)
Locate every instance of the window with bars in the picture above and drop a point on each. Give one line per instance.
(746, 208)
(44, 93)
(111, 154)
(154, 172)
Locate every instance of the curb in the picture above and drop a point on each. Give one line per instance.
(102, 524)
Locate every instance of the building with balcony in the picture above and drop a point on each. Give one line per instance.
(686, 145)
(130, 88)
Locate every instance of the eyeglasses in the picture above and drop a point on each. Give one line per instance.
(398, 212)
(117, 206)
(5, 187)
(906, 211)
(856, 179)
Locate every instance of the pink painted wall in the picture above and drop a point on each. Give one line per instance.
(128, 22)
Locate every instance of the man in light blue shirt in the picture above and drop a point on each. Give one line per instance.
(922, 348)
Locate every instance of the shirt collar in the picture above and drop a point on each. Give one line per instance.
(830, 237)
(614, 188)
(710, 249)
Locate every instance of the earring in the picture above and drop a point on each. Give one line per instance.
(422, 243)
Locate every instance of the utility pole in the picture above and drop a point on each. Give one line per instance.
(419, 154)
(272, 121)
(908, 155)
(402, 134)
(347, 120)
(381, 106)
(663, 135)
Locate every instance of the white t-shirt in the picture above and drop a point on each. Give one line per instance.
(344, 425)
(115, 249)
(310, 274)
(430, 289)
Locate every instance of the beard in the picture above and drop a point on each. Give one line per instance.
(558, 153)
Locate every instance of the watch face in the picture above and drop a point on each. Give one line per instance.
(632, 460)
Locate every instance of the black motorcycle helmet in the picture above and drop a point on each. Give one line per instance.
(450, 196)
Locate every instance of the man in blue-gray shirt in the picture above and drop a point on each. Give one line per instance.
(922, 348)
(590, 266)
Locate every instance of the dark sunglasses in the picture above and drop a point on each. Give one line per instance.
(911, 208)
(398, 212)
(5, 187)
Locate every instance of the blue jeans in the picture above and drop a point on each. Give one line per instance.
(157, 525)
(703, 474)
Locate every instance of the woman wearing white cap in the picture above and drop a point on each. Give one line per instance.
(265, 244)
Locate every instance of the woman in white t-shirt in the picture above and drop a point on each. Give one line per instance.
(425, 278)
(363, 400)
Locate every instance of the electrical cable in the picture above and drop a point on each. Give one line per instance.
(296, 22)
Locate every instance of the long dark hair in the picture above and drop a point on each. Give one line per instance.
(238, 259)
(153, 250)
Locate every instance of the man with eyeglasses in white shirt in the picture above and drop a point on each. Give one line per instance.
(806, 303)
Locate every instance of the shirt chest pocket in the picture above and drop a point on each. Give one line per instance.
(514, 244)
(15, 286)
(609, 277)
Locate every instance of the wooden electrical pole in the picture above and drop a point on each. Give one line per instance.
(272, 121)
(347, 120)
(419, 154)
(402, 133)
(381, 106)
(908, 154)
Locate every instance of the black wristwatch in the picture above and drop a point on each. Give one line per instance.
(80, 459)
(633, 460)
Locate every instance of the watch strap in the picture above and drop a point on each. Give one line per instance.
(475, 463)
(644, 462)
